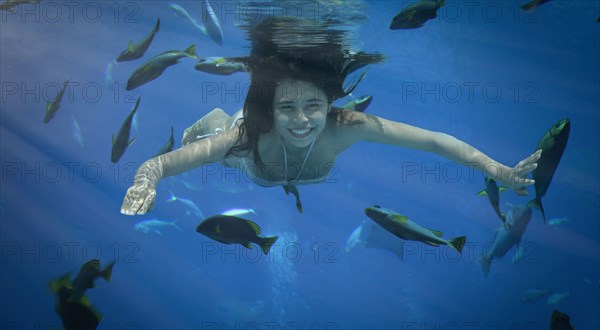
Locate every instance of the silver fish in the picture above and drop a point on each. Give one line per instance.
(154, 67)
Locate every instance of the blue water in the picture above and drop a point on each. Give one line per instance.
(490, 75)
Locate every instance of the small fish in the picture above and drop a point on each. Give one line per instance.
(120, 144)
(492, 191)
(415, 15)
(52, 107)
(137, 50)
(560, 321)
(154, 67)
(517, 219)
(533, 295)
(191, 205)
(238, 212)
(360, 104)
(533, 5)
(74, 314)
(290, 188)
(179, 10)
(558, 221)
(519, 252)
(404, 228)
(211, 23)
(76, 131)
(147, 226)
(556, 298)
(167, 147)
(89, 272)
(234, 230)
(553, 145)
(355, 238)
(220, 66)
(108, 78)
(10, 5)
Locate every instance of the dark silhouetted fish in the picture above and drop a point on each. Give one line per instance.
(416, 14)
(290, 188)
(120, 144)
(560, 321)
(234, 230)
(89, 272)
(492, 191)
(167, 147)
(9, 5)
(553, 145)
(137, 50)
(533, 5)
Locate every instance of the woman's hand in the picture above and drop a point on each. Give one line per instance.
(139, 199)
(516, 178)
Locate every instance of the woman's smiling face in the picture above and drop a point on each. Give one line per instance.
(299, 111)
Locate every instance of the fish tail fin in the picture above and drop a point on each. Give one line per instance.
(106, 272)
(485, 263)
(63, 281)
(157, 26)
(172, 198)
(267, 242)
(458, 243)
(191, 51)
(536, 203)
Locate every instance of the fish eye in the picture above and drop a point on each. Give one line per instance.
(376, 206)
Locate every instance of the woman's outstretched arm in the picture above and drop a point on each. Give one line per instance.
(386, 131)
(140, 197)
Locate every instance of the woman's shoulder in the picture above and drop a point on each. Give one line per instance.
(346, 127)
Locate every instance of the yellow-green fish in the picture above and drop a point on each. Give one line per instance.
(492, 191)
(533, 5)
(154, 67)
(137, 50)
(234, 230)
(553, 145)
(52, 107)
(9, 5)
(404, 228)
(120, 144)
(360, 104)
(220, 66)
(89, 272)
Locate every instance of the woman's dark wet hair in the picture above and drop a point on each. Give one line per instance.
(297, 50)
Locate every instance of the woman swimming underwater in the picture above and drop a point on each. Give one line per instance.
(289, 133)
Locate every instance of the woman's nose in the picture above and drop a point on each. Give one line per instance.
(300, 116)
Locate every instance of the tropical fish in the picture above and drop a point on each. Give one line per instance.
(137, 50)
(52, 107)
(359, 104)
(533, 295)
(89, 272)
(234, 230)
(404, 228)
(73, 314)
(108, 78)
(517, 220)
(167, 147)
(416, 14)
(120, 144)
(147, 226)
(560, 321)
(552, 144)
(533, 5)
(154, 67)
(558, 221)
(211, 23)
(556, 298)
(290, 188)
(191, 205)
(179, 10)
(492, 191)
(220, 65)
(238, 212)
(76, 131)
(9, 5)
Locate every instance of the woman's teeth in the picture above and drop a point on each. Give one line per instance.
(301, 133)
